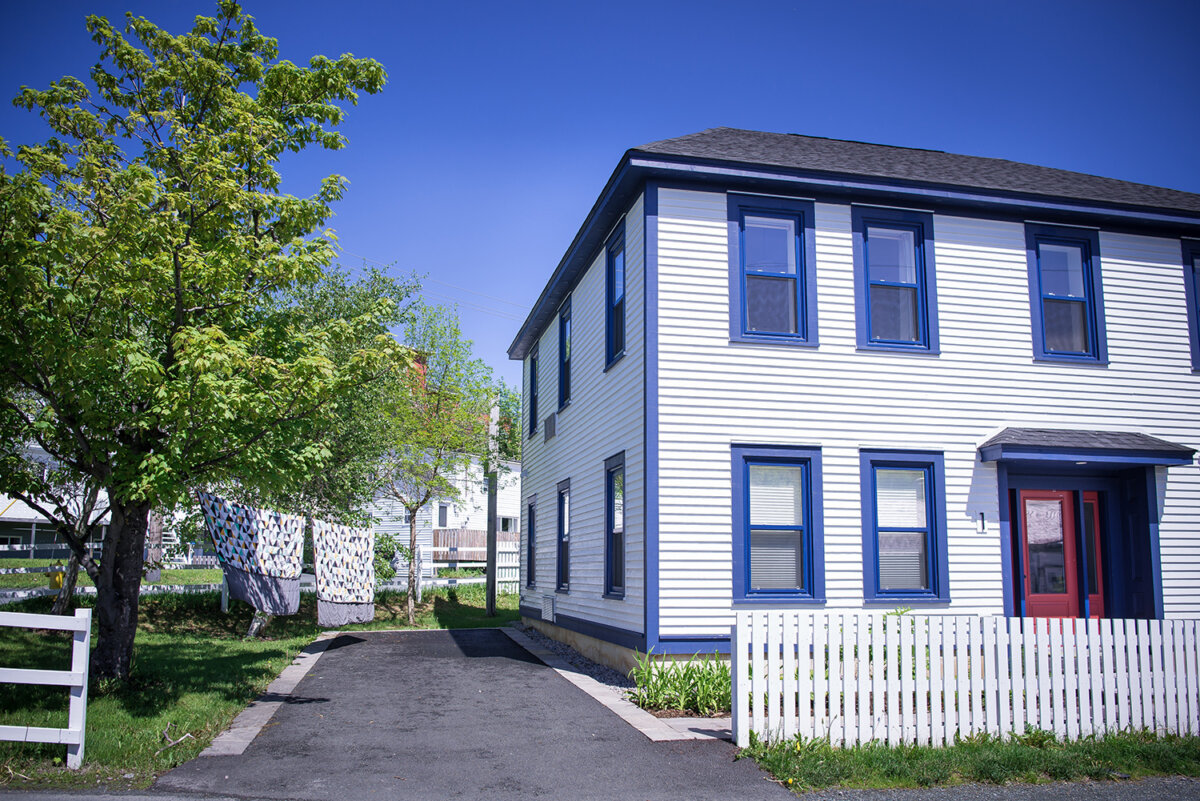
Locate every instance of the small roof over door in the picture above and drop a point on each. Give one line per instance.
(1083, 447)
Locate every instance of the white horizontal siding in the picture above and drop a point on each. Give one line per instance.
(713, 392)
(605, 417)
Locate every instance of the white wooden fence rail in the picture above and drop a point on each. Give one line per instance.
(926, 678)
(76, 678)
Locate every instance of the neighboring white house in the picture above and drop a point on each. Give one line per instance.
(799, 372)
(468, 512)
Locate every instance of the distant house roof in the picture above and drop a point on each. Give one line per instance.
(798, 152)
(763, 161)
(1037, 444)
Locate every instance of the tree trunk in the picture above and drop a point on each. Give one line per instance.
(412, 567)
(62, 601)
(118, 585)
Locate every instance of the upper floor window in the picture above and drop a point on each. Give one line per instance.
(895, 286)
(443, 515)
(564, 354)
(904, 526)
(1191, 282)
(778, 552)
(772, 270)
(533, 391)
(615, 280)
(1066, 301)
(614, 526)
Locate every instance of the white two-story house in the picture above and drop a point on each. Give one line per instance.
(800, 372)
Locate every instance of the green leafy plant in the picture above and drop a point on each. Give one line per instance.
(702, 684)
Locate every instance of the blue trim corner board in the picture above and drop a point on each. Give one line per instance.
(650, 418)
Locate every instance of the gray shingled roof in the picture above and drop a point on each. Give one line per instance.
(814, 153)
(1064, 439)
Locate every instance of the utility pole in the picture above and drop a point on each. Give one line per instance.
(492, 472)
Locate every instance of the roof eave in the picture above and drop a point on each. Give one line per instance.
(635, 165)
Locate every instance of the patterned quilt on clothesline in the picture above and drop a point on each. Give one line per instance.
(254, 540)
(345, 563)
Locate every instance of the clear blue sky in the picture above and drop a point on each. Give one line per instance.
(501, 121)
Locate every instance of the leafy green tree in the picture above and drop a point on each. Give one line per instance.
(509, 436)
(144, 248)
(439, 415)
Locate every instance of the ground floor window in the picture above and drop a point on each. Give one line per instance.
(777, 545)
(614, 526)
(904, 526)
(563, 581)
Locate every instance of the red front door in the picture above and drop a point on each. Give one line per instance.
(1048, 553)
(1092, 566)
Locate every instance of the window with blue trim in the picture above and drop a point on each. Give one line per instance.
(778, 550)
(1065, 294)
(904, 526)
(564, 354)
(772, 270)
(531, 545)
(615, 294)
(1191, 281)
(533, 392)
(895, 281)
(614, 526)
(563, 580)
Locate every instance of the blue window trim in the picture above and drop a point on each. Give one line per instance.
(1191, 289)
(614, 326)
(921, 224)
(531, 543)
(612, 465)
(934, 466)
(562, 582)
(742, 456)
(802, 213)
(564, 360)
(533, 392)
(1089, 241)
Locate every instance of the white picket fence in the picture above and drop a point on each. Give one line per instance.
(76, 678)
(924, 679)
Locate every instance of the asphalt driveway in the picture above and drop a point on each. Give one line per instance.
(459, 714)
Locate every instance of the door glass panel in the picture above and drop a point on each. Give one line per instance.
(1089, 545)
(1044, 538)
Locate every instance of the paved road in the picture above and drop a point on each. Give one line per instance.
(459, 714)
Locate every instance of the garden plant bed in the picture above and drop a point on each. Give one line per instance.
(192, 674)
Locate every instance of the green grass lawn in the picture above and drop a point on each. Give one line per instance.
(804, 765)
(21, 581)
(192, 674)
